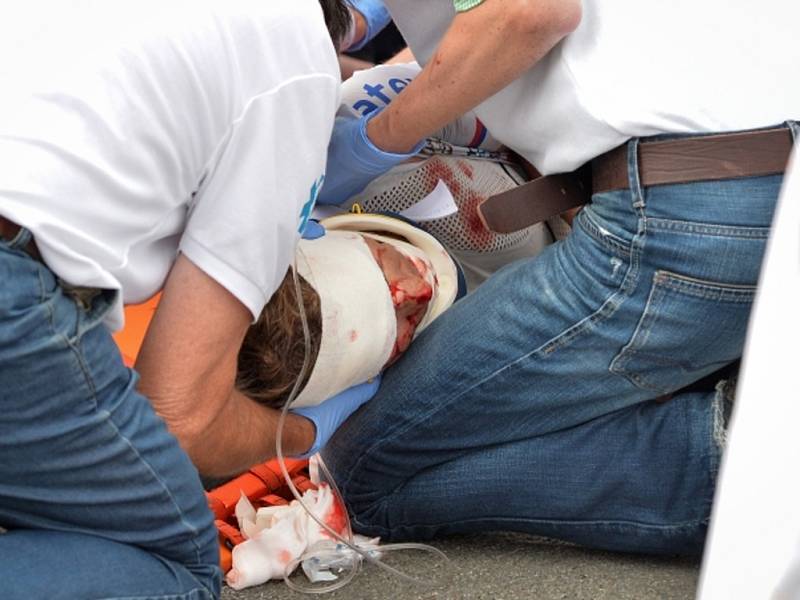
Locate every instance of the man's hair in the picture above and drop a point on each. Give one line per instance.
(337, 18)
(273, 350)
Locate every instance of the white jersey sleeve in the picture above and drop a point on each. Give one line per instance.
(135, 129)
(244, 221)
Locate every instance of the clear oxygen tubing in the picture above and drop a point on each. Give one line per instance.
(359, 555)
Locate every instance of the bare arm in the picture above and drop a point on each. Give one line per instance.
(404, 56)
(349, 65)
(484, 50)
(188, 367)
(360, 26)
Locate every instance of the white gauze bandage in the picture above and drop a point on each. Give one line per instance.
(359, 327)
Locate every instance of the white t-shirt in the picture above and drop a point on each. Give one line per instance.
(130, 130)
(637, 68)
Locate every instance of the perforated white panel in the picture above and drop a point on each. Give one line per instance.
(469, 180)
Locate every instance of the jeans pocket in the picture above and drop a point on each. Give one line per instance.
(689, 328)
(93, 306)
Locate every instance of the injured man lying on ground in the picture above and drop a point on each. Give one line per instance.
(369, 286)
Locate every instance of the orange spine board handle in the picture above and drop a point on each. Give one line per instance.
(261, 480)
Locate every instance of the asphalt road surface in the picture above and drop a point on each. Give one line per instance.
(506, 566)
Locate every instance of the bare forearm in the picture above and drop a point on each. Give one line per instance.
(225, 433)
(349, 65)
(484, 50)
(404, 56)
(188, 368)
(243, 434)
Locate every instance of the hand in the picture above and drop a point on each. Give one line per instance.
(313, 230)
(328, 415)
(376, 17)
(354, 161)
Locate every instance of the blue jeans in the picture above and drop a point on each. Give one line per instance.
(97, 496)
(528, 406)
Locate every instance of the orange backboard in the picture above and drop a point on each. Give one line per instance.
(137, 320)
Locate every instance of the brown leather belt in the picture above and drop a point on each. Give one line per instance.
(9, 230)
(704, 158)
(681, 160)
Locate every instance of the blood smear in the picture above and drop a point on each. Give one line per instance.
(336, 519)
(467, 201)
(482, 237)
(440, 171)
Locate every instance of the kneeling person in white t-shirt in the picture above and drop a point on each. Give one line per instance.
(144, 148)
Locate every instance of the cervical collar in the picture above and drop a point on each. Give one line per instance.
(359, 325)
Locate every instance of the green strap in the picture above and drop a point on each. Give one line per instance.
(462, 5)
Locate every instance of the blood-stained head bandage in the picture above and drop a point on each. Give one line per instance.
(380, 282)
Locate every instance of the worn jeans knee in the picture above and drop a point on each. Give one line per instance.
(84, 460)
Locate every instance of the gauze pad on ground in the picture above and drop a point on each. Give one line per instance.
(277, 535)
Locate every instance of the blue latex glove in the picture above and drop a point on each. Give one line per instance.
(313, 230)
(354, 161)
(376, 16)
(328, 415)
